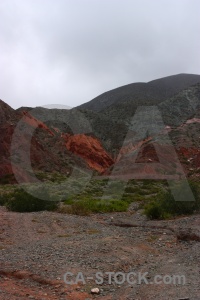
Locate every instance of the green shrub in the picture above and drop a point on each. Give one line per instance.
(165, 205)
(21, 201)
(79, 208)
(7, 179)
(153, 210)
(3, 199)
(129, 198)
(142, 192)
(69, 201)
(88, 206)
(132, 189)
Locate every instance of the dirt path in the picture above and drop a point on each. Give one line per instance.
(37, 249)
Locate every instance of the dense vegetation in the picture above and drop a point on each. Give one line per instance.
(165, 205)
(20, 201)
(100, 196)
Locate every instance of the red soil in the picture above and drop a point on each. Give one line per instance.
(90, 149)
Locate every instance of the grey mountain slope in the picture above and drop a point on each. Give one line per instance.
(142, 93)
(112, 123)
(183, 106)
(174, 110)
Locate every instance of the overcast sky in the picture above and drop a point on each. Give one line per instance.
(70, 51)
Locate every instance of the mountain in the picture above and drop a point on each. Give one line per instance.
(141, 93)
(180, 115)
(27, 142)
(175, 109)
(78, 121)
(117, 107)
(178, 101)
(98, 138)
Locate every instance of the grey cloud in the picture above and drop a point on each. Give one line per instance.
(69, 51)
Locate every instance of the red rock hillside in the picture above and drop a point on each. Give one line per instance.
(90, 149)
(51, 150)
(39, 153)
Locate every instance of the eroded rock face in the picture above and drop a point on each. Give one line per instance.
(90, 149)
(50, 149)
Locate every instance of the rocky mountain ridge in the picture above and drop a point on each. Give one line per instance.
(95, 139)
(141, 93)
(50, 149)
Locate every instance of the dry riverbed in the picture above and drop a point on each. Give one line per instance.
(37, 249)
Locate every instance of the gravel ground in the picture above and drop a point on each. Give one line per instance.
(37, 249)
